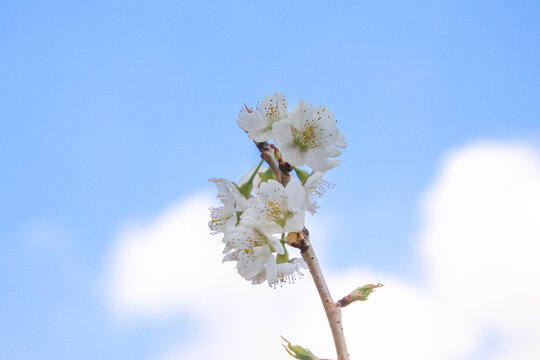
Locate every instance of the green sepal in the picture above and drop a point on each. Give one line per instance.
(268, 175)
(238, 216)
(246, 188)
(299, 352)
(281, 259)
(302, 175)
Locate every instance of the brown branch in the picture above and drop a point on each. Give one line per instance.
(333, 312)
(268, 155)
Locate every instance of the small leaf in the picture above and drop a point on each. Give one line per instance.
(360, 294)
(299, 352)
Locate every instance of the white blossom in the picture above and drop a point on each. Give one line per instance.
(222, 218)
(252, 248)
(228, 193)
(258, 123)
(309, 135)
(280, 207)
(255, 211)
(226, 216)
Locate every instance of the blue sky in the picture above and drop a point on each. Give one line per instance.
(111, 111)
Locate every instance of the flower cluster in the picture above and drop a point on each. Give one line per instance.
(257, 212)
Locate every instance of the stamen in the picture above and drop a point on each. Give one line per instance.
(310, 136)
(273, 212)
(321, 187)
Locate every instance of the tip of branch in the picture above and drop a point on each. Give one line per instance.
(360, 294)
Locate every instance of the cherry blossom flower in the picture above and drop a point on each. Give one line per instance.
(252, 247)
(228, 193)
(258, 208)
(222, 218)
(309, 136)
(258, 123)
(226, 216)
(280, 207)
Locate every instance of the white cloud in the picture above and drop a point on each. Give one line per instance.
(480, 242)
(482, 239)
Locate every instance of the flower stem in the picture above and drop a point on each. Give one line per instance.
(333, 312)
(255, 172)
(285, 257)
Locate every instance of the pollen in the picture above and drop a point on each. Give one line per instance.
(307, 137)
(273, 211)
(271, 113)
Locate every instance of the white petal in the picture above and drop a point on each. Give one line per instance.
(279, 248)
(253, 268)
(332, 151)
(282, 133)
(303, 114)
(271, 271)
(298, 114)
(318, 160)
(325, 119)
(260, 278)
(230, 257)
(256, 126)
(294, 155)
(296, 222)
(313, 178)
(261, 134)
(272, 191)
(295, 194)
(251, 121)
(227, 249)
(341, 142)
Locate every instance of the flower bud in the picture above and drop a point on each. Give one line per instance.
(360, 294)
(295, 239)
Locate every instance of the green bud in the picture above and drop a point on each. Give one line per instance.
(299, 352)
(302, 175)
(360, 294)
